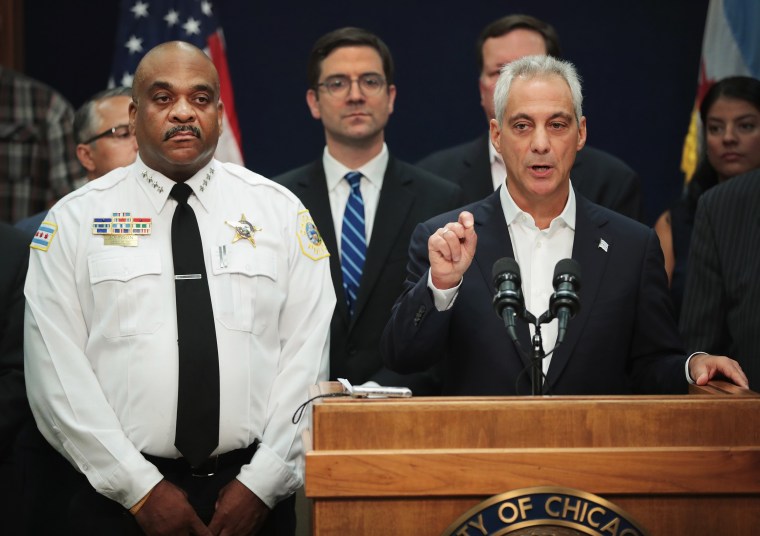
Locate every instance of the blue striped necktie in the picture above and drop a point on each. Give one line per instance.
(353, 243)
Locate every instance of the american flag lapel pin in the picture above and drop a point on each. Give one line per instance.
(603, 245)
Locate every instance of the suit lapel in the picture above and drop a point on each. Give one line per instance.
(479, 183)
(588, 250)
(392, 211)
(493, 244)
(313, 194)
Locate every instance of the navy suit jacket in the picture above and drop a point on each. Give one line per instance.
(623, 340)
(408, 197)
(599, 176)
(720, 310)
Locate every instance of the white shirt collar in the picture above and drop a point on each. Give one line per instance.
(157, 186)
(374, 170)
(512, 212)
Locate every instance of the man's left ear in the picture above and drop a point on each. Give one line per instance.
(220, 109)
(391, 97)
(582, 133)
(132, 115)
(85, 157)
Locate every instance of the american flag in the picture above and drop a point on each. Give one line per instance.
(143, 24)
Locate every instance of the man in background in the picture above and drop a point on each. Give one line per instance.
(104, 142)
(479, 169)
(38, 164)
(365, 200)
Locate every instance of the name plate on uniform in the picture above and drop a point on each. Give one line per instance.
(120, 240)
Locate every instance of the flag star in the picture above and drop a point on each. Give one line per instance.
(140, 9)
(134, 44)
(206, 8)
(127, 79)
(172, 17)
(192, 26)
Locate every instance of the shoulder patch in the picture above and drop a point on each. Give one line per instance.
(309, 239)
(44, 236)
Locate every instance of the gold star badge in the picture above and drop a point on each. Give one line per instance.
(243, 230)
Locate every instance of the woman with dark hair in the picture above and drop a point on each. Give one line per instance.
(730, 113)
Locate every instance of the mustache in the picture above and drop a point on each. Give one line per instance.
(182, 128)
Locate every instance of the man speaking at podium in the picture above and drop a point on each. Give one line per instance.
(623, 339)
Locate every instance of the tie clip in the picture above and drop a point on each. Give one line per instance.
(188, 276)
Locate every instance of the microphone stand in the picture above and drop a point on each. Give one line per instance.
(537, 353)
(536, 363)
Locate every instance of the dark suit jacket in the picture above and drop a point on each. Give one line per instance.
(599, 176)
(14, 409)
(623, 340)
(408, 196)
(721, 313)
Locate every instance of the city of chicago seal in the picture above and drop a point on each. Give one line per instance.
(545, 511)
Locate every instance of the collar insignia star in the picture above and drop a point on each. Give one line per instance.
(244, 230)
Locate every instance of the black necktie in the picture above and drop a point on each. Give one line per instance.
(198, 391)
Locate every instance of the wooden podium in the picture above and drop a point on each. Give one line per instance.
(679, 465)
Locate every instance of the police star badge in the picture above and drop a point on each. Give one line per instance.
(243, 230)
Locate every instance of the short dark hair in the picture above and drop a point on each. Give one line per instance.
(346, 37)
(506, 24)
(84, 118)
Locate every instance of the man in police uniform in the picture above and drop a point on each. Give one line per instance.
(101, 350)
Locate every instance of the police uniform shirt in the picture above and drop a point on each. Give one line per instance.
(101, 331)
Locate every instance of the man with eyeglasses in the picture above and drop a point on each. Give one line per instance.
(372, 199)
(102, 130)
(104, 142)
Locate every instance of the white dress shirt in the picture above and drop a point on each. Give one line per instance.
(101, 331)
(338, 189)
(537, 252)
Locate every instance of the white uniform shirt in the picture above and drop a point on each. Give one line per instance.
(101, 331)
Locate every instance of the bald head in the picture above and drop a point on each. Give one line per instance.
(171, 51)
(175, 112)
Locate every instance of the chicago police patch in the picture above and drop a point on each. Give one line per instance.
(309, 239)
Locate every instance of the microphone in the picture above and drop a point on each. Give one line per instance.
(564, 303)
(508, 300)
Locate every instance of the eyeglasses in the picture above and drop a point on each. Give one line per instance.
(120, 132)
(340, 85)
